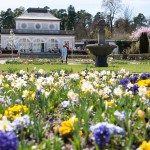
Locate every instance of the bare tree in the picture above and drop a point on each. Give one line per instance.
(112, 7)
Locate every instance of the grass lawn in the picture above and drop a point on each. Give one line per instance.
(133, 68)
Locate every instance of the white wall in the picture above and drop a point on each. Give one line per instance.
(42, 39)
(33, 25)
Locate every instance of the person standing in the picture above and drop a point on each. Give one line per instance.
(64, 54)
(67, 46)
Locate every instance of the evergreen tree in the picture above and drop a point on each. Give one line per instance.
(71, 18)
(144, 43)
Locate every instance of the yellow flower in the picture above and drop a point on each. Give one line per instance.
(56, 128)
(145, 145)
(64, 130)
(106, 96)
(16, 116)
(141, 114)
(33, 96)
(6, 85)
(109, 103)
(1, 116)
(67, 127)
(144, 83)
(15, 111)
(148, 93)
(81, 133)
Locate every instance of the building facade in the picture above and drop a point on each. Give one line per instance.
(37, 30)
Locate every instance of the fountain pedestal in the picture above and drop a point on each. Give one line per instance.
(101, 61)
(101, 50)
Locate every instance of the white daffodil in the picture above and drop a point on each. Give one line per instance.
(142, 91)
(73, 96)
(87, 87)
(22, 72)
(118, 91)
(5, 125)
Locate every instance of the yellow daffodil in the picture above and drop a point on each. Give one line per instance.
(148, 93)
(1, 116)
(141, 114)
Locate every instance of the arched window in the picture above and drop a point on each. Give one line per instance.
(23, 44)
(37, 44)
(52, 44)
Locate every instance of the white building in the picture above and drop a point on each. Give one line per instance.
(39, 31)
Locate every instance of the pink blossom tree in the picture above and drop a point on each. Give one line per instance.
(136, 34)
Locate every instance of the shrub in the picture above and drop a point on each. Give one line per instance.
(123, 45)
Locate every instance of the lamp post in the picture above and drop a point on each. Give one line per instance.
(11, 40)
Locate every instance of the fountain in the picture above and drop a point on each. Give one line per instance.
(101, 50)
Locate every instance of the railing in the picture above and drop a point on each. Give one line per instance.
(45, 32)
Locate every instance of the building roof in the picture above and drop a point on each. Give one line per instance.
(37, 14)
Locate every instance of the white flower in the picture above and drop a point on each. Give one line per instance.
(50, 80)
(142, 91)
(130, 85)
(5, 125)
(25, 94)
(107, 90)
(22, 72)
(87, 87)
(23, 121)
(62, 72)
(104, 78)
(122, 71)
(112, 81)
(41, 71)
(65, 104)
(118, 91)
(103, 73)
(74, 76)
(128, 93)
(120, 116)
(73, 96)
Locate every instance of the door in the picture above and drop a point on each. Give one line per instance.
(42, 47)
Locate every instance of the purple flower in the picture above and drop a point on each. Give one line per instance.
(102, 135)
(124, 82)
(23, 121)
(133, 79)
(118, 130)
(38, 92)
(148, 75)
(143, 76)
(103, 131)
(135, 88)
(120, 116)
(8, 141)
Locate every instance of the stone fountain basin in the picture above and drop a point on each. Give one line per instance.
(100, 49)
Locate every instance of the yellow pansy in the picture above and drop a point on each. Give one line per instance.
(144, 83)
(15, 111)
(67, 127)
(145, 145)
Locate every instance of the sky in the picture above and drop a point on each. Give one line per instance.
(91, 6)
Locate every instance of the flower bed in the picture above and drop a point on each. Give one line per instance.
(86, 110)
